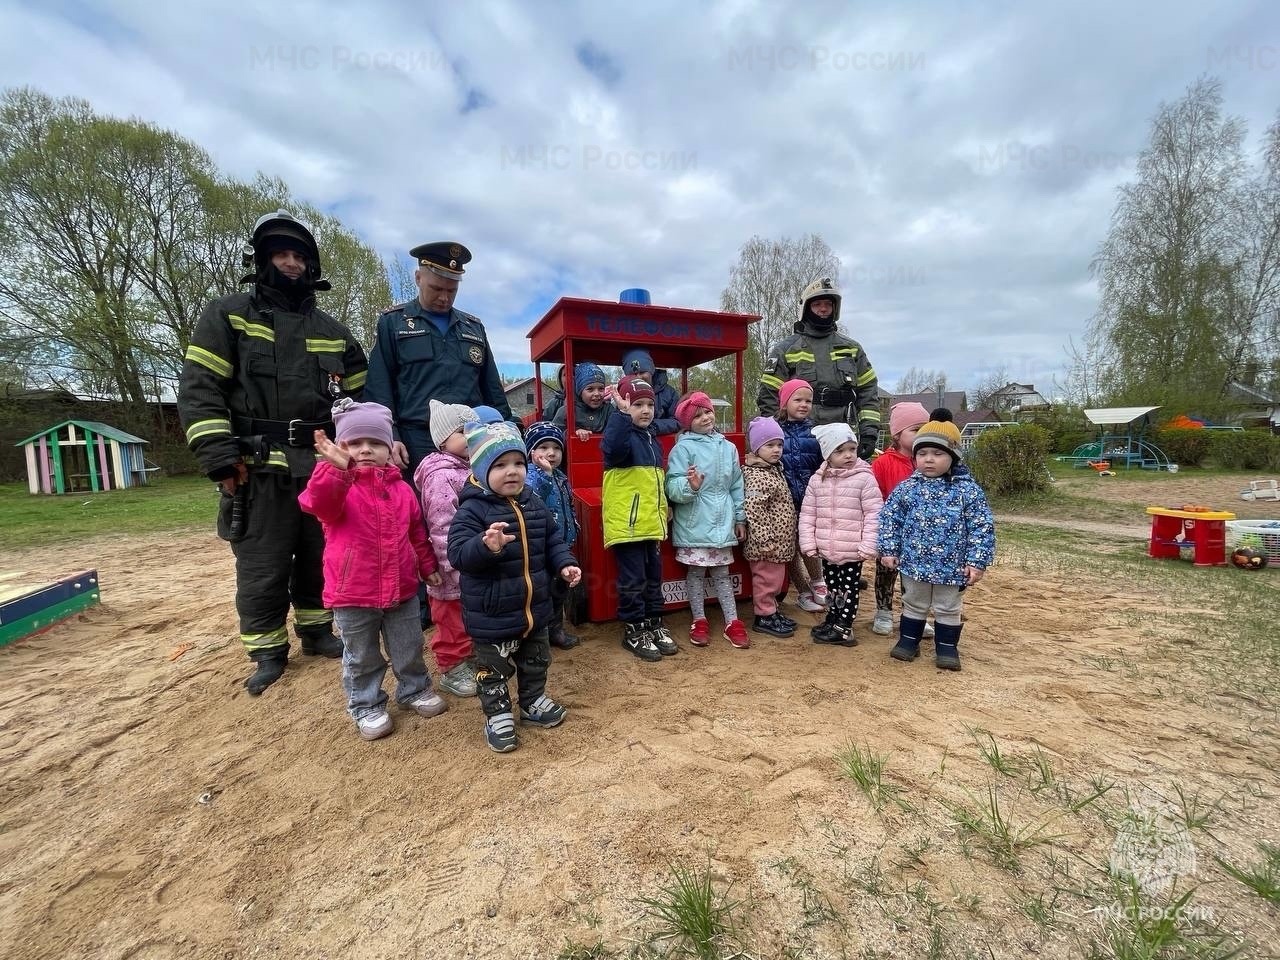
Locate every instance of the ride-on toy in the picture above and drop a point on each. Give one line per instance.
(574, 330)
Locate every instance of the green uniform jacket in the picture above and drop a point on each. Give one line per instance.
(845, 388)
(251, 357)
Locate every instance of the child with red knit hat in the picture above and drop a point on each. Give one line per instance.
(801, 457)
(891, 468)
(704, 484)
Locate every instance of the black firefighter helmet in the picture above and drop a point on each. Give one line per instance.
(277, 231)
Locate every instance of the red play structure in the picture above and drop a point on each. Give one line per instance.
(575, 330)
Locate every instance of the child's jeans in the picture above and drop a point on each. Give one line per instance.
(639, 580)
(917, 597)
(767, 580)
(843, 587)
(527, 658)
(450, 643)
(363, 667)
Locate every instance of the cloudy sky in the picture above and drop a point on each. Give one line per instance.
(961, 159)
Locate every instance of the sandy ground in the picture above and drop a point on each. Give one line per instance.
(151, 809)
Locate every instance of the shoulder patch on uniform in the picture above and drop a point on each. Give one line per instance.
(468, 317)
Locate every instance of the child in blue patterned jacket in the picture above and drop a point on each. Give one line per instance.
(937, 529)
(545, 442)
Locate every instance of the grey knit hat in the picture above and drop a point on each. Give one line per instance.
(447, 418)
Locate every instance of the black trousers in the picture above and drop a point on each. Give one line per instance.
(843, 587)
(527, 658)
(279, 562)
(639, 580)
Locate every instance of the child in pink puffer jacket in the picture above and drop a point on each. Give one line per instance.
(439, 478)
(375, 550)
(838, 522)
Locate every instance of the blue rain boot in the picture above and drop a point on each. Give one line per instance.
(945, 641)
(908, 646)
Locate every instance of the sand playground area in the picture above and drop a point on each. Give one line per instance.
(151, 809)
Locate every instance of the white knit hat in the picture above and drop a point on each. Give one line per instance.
(447, 418)
(831, 435)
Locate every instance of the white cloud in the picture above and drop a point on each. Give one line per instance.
(963, 166)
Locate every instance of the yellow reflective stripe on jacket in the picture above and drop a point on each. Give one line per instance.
(770, 381)
(869, 414)
(867, 377)
(260, 641)
(276, 458)
(251, 329)
(210, 361)
(524, 556)
(208, 428)
(326, 346)
(798, 356)
(304, 617)
(839, 352)
(356, 380)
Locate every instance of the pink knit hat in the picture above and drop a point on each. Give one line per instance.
(905, 415)
(761, 430)
(356, 421)
(787, 389)
(689, 407)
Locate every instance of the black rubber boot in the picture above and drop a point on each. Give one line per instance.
(909, 633)
(945, 640)
(271, 662)
(559, 638)
(321, 644)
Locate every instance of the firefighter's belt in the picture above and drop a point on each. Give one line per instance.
(296, 433)
(835, 396)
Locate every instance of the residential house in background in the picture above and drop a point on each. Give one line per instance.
(1253, 408)
(1014, 397)
(520, 397)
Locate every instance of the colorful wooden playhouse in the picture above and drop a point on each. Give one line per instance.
(84, 455)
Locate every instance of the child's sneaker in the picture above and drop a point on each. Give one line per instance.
(820, 594)
(785, 622)
(773, 624)
(829, 633)
(374, 726)
(808, 604)
(661, 638)
(883, 623)
(637, 639)
(500, 733)
(699, 632)
(459, 680)
(736, 634)
(427, 704)
(545, 712)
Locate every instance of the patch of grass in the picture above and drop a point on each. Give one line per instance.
(167, 503)
(1135, 928)
(991, 753)
(1040, 773)
(573, 950)
(1263, 878)
(816, 908)
(866, 769)
(1194, 812)
(994, 828)
(692, 918)
(1041, 908)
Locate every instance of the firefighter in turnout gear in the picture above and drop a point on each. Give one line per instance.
(259, 378)
(844, 384)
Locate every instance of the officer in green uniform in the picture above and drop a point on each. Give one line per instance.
(426, 350)
(260, 376)
(845, 388)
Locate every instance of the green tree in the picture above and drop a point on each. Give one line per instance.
(1187, 273)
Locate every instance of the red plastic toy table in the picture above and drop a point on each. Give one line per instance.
(1205, 533)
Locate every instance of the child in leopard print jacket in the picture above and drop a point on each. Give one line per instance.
(771, 525)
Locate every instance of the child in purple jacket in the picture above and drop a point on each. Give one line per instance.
(375, 550)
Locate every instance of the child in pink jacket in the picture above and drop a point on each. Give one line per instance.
(439, 478)
(838, 522)
(375, 550)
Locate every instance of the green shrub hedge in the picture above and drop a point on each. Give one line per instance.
(1250, 450)
(1187, 448)
(1011, 459)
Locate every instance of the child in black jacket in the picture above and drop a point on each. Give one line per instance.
(505, 545)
